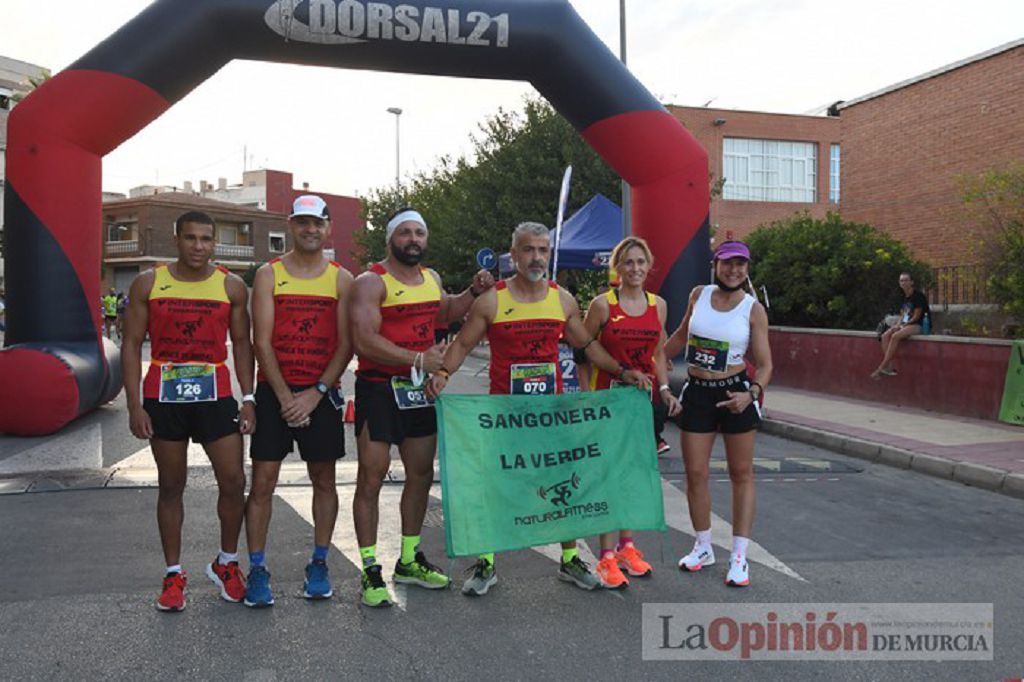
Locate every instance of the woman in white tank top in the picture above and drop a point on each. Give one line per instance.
(722, 324)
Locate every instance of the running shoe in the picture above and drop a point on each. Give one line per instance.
(484, 577)
(632, 559)
(889, 372)
(738, 575)
(576, 571)
(663, 447)
(257, 592)
(699, 557)
(172, 597)
(610, 575)
(229, 579)
(420, 572)
(318, 582)
(375, 593)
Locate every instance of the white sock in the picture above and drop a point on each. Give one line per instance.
(176, 568)
(739, 546)
(704, 538)
(225, 558)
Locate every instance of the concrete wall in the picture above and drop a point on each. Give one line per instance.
(941, 373)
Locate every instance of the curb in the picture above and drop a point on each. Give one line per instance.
(968, 473)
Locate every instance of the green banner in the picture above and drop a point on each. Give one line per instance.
(1012, 409)
(523, 470)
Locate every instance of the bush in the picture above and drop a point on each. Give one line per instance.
(994, 208)
(829, 273)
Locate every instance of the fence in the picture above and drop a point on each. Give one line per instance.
(959, 284)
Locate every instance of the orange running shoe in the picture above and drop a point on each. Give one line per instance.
(228, 578)
(610, 575)
(172, 598)
(632, 559)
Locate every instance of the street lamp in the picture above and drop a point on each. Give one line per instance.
(398, 148)
(627, 211)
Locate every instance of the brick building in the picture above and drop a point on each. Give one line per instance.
(775, 165)
(273, 191)
(139, 233)
(905, 146)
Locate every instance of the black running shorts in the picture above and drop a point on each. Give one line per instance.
(322, 441)
(202, 422)
(376, 407)
(700, 414)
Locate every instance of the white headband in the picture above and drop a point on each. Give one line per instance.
(402, 217)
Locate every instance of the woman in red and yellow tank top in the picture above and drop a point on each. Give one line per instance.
(524, 339)
(629, 322)
(188, 324)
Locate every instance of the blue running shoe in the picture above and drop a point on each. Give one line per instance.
(257, 588)
(318, 584)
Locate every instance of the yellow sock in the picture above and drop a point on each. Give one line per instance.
(368, 555)
(488, 557)
(569, 554)
(409, 545)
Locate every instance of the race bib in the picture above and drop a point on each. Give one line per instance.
(707, 353)
(409, 396)
(533, 378)
(188, 383)
(616, 384)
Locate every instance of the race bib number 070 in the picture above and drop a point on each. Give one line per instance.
(188, 383)
(533, 378)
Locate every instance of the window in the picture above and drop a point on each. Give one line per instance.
(227, 234)
(833, 174)
(121, 229)
(277, 242)
(770, 170)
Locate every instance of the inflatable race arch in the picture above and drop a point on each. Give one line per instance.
(57, 365)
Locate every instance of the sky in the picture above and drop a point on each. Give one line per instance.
(787, 56)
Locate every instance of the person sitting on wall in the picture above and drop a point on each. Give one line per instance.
(915, 318)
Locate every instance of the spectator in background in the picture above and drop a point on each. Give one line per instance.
(915, 318)
(3, 307)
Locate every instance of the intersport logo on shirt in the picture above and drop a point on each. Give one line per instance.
(346, 22)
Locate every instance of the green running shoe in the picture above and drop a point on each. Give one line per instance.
(374, 591)
(420, 572)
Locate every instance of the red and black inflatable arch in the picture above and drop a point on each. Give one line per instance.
(57, 365)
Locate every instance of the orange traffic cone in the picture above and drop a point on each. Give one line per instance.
(350, 409)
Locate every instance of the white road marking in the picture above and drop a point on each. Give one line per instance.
(78, 448)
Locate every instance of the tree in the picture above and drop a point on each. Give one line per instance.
(30, 84)
(994, 210)
(830, 273)
(513, 176)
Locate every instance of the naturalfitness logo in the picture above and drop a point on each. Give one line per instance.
(346, 22)
(818, 632)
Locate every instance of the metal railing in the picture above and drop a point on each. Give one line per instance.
(122, 248)
(959, 284)
(234, 251)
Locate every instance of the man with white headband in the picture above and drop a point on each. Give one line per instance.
(395, 306)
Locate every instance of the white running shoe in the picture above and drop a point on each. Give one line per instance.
(699, 557)
(738, 575)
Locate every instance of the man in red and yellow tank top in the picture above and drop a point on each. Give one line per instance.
(395, 307)
(302, 341)
(523, 318)
(188, 308)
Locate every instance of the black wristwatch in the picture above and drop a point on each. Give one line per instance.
(321, 388)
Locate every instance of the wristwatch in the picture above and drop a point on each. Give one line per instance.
(321, 388)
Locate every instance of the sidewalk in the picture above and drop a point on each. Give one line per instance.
(981, 453)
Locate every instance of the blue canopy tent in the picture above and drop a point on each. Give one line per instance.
(587, 237)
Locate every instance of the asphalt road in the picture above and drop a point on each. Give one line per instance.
(80, 569)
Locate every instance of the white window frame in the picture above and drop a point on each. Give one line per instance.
(278, 235)
(835, 160)
(770, 170)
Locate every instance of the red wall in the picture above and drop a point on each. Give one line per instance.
(935, 373)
